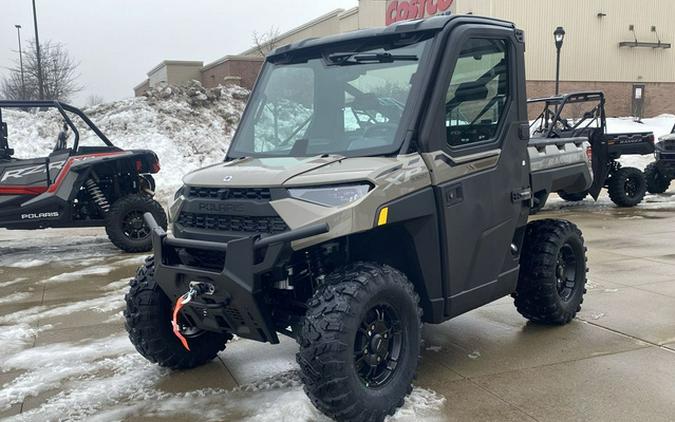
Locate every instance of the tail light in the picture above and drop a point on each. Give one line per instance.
(589, 153)
(155, 167)
(139, 166)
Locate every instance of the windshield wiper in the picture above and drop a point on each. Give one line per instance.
(354, 58)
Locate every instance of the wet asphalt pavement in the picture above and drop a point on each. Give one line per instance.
(64, 353)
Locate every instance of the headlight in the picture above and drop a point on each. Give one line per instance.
(331, 196)
(178, 193)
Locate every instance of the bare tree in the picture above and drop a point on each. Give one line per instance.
(94, 99)
(59, 74)
(267, 41)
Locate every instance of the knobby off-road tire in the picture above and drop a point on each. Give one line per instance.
(552, 280)
(657, 182)
(125, 226)
(573, 197)
(345, 330)
(148, 322)
(627, 187)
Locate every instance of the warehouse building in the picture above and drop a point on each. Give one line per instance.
(621, 47)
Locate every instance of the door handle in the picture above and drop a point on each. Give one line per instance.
(524, 131)
(454, 195)
(521, 195)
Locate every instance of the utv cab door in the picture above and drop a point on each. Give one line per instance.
(31, 176)
(476, 138)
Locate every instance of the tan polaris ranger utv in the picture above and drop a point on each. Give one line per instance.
(378, 180)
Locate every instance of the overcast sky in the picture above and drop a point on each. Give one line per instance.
(118, 41)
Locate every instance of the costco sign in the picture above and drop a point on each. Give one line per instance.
(403, 10)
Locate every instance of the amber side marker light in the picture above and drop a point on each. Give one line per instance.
(383, 217)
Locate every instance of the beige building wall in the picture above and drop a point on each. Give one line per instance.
(349, 20)
(591, 50)
(322, 26)
(372, 13)
(158, 75)
(175, 72)
(591, 56)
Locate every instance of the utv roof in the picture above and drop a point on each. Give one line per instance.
(432, 24)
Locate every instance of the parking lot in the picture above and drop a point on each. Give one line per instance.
(65, 353)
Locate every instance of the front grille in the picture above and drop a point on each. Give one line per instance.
(251, 194)
(206, 259)
(233, 223)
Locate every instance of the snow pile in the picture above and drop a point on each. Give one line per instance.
(187, 126)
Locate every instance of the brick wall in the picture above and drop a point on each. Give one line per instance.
(659, 97)
(246, 69)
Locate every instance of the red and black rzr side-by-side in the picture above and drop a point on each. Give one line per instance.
(78, 186)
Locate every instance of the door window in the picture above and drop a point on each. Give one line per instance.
(478, 93)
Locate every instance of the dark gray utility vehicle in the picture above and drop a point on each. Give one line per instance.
(660, 173)
(582, 114)
(79, 184)
(378, 180)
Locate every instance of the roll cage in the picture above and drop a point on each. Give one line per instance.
(551, 123)
(63, 109)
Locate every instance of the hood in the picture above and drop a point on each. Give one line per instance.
(666, 143)
(668, 138)
(345, 171)
(257, 172)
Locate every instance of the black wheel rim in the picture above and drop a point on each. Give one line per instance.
(566, 272)
(631, 187)
(378, 346)
(187, 329)
(134, 226)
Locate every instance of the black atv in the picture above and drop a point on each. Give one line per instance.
(660, 173)
(79, 186)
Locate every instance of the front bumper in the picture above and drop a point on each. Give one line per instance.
(237, 305)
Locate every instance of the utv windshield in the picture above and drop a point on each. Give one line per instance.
(341, 102)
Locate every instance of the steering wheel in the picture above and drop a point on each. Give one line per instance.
(381, 130)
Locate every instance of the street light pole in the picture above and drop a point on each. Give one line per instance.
(559, 35)
(41, 86)
(23, 81)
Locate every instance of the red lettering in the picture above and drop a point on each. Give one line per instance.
(444, 5)
(432, 8)
(418, 5)
(392, 12)
(401, 10)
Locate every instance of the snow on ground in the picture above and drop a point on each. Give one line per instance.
(100, 376)
(188, 127)
(106, 380)
(74, 275)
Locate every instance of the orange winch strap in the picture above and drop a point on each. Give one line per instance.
(174, 322)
